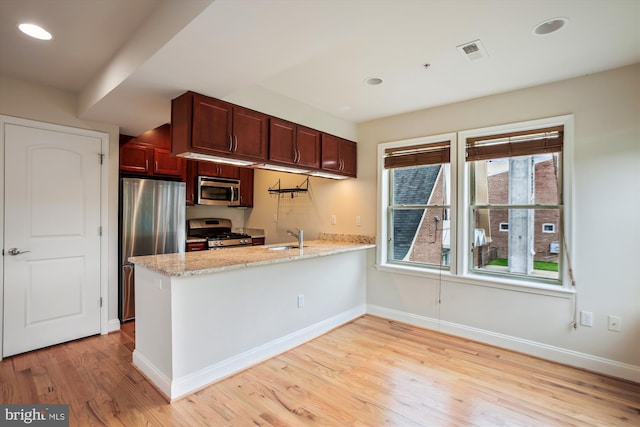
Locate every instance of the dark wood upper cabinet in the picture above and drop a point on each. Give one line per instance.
(293, 144)
(339, 155)
(135, 158)
(149, 154)
(219, 170)
(166, 164)
(189, 178)
(210, 126)
(250, 133)
(246, 187)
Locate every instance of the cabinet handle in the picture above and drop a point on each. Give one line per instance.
(235, 137)
(230, 142)
(146, 165)
(156, 169)
(296, 155)
(232, 193)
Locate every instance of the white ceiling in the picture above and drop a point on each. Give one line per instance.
(127, 59)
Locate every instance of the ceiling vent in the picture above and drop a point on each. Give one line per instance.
(473, 51)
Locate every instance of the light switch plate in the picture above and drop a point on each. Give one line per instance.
(586, 318)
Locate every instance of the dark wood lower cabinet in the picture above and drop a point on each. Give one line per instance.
(196, 246)
(257, 241)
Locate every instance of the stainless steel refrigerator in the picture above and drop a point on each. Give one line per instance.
(152, 222)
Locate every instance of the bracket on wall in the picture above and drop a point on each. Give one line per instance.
(303, 187)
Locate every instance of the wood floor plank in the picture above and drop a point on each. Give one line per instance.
(370, 372)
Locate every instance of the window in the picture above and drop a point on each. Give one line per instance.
(484, 204)
(515, 178)
(417, 209)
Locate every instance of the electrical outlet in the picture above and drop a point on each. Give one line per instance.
(275, 217)
(615, 323)
(300, 301)
(358, 221)
(334, 220)
(586, 318)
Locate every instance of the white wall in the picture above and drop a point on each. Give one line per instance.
(44, 104)
(311, 211)
(606, 227)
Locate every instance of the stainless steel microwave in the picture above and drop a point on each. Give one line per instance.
(218, 191)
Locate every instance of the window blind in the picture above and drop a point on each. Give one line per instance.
(537, 141)
(417, 155)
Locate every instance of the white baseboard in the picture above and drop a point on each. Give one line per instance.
(544, 351)
(161, 381)
(113, 325)
(188, 384)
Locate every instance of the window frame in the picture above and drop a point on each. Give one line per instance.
(464, 195)
(460, 250)
(384, 198)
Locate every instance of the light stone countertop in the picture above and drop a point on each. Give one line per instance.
(205, 262)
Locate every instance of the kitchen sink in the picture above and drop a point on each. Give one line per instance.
(282, 248)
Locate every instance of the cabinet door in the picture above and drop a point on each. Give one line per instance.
(257, 241)
(135, 158)
(308, 147)
(246, 187)
(339, 155)
(218, 170)
(165, 164)
(189, 173)
(212, 125)
(349, 157)
(330, 153)
(196, 246)
(282, 141)
(250, 129)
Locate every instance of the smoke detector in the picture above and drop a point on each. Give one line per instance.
(473, 51)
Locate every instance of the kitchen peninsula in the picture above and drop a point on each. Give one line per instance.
(203, 316)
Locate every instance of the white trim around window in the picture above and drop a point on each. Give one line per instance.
(383, 199)
(459, 270)
(464, 245)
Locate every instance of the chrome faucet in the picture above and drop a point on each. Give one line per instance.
(298, 236)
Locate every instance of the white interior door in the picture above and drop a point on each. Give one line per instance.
(51, 237)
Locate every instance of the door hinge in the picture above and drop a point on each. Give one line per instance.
(100, 231)
(101, 156)
(100, 301)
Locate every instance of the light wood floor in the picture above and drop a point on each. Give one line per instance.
(371, 372)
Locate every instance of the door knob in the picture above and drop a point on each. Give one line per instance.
(16, 251)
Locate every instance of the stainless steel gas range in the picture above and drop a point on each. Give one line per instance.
(216, 233)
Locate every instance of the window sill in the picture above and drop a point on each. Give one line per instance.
(557, 291)
(414, 271)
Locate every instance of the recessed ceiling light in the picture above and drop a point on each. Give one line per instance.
(35, 31)
(373, 81)
(549, 26)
